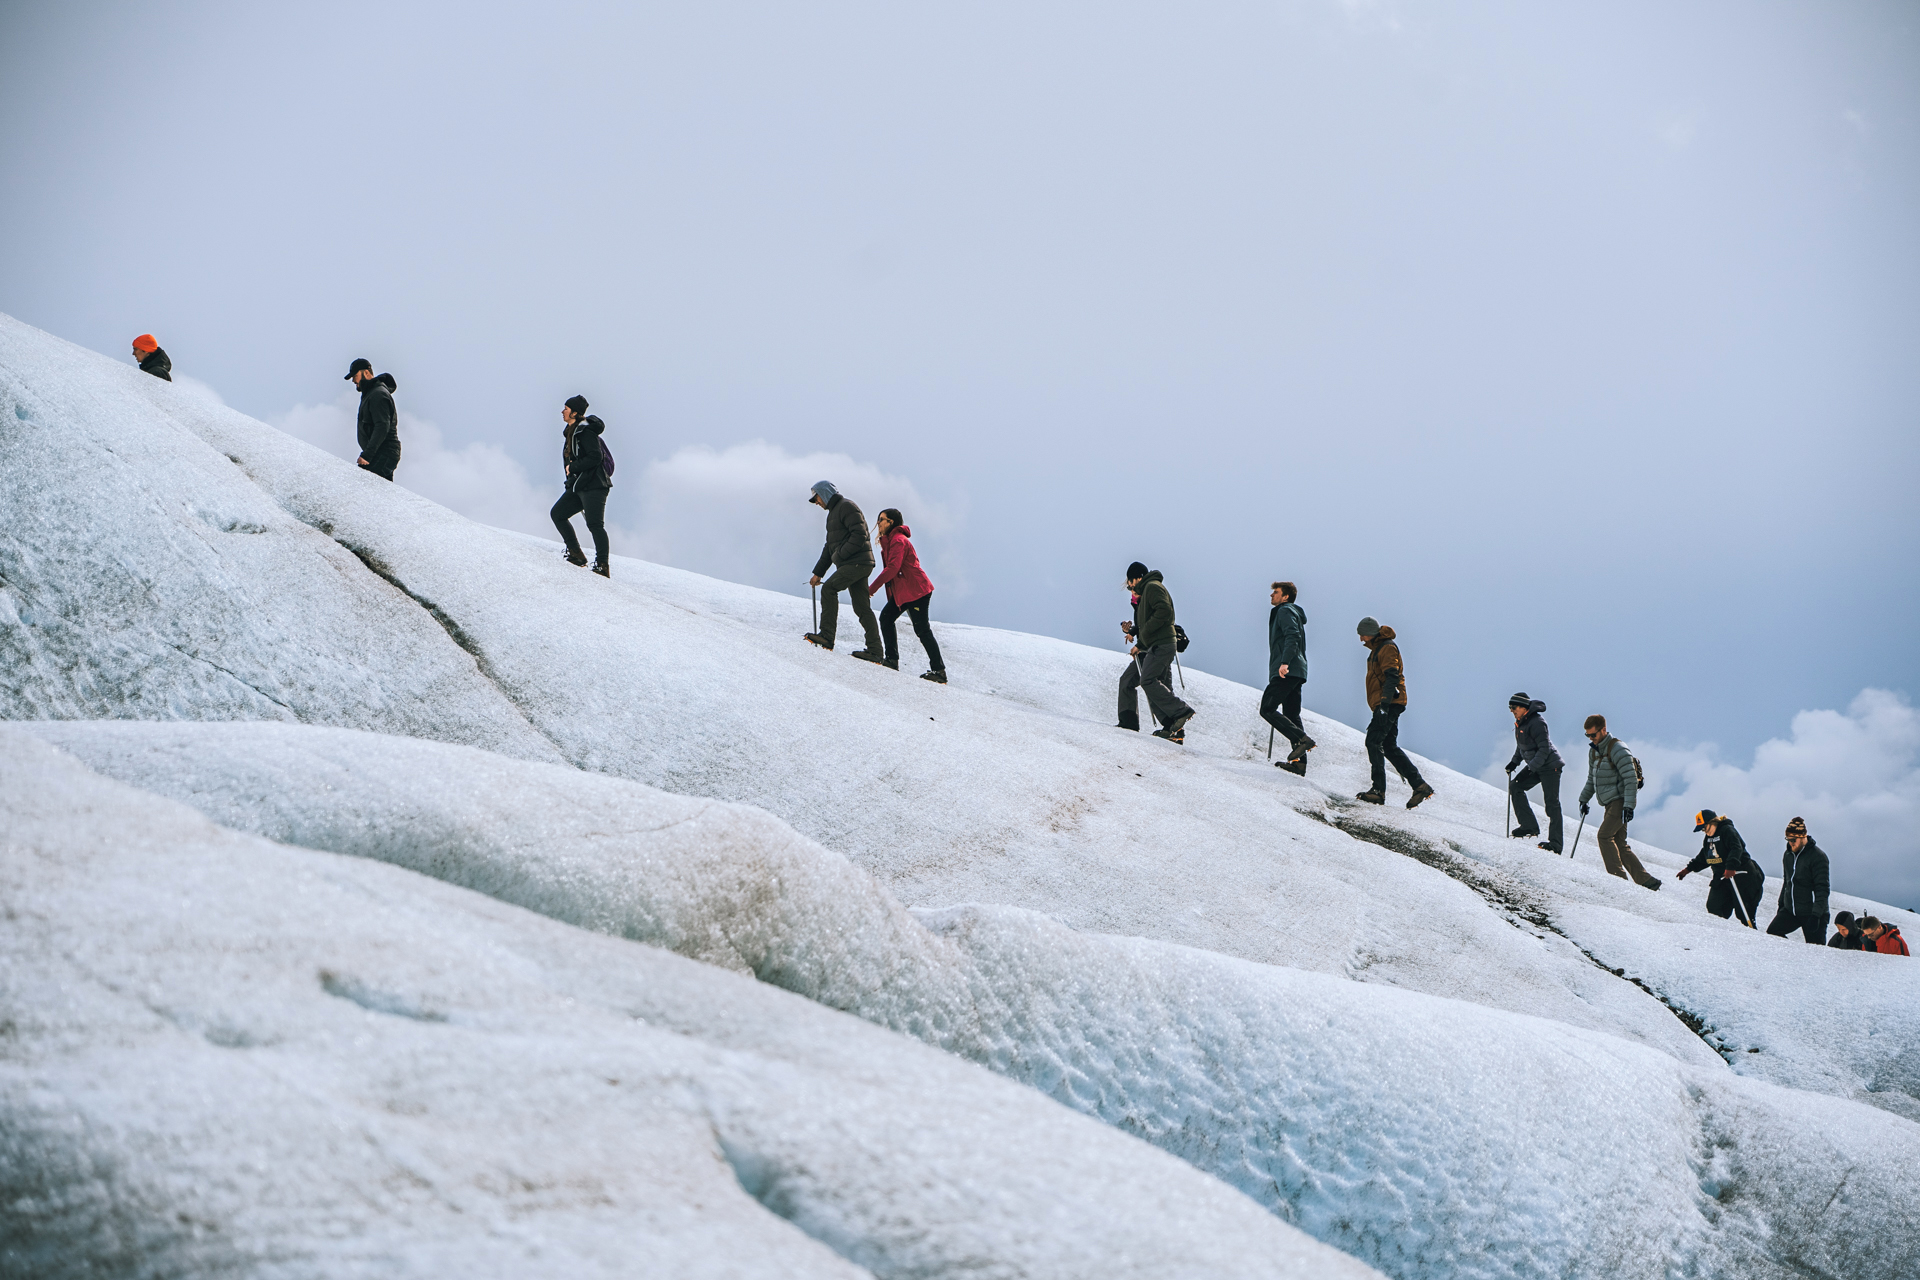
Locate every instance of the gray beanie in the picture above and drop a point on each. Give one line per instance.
(1369, 627)
(825, 492)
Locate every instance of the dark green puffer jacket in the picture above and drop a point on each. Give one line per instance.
(1153, 616)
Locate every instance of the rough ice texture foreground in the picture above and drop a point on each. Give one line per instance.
(203, 566)
(226, 1056)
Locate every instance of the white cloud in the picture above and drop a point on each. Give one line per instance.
(741, 513)
(1853, 775)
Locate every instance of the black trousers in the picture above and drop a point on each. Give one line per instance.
(1812, 928)
(594, 504)
(916, 611)
(382, 463)
(1152, 671)
(1280, 707)
(1549, 784)
(1720, 898)
(1383, 744)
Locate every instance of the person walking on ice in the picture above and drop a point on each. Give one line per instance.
(909, 591)
(378, 424)
(1387, 699)
(1286, 674)
(147, 352)
(588, 483)
(1539, 765)
(1615, 783)
(1738, 880)
(1803, 888)
(850, 551)
(1153, 637)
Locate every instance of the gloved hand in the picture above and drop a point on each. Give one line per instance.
(1626, 815)
(1511, 768)
(1681, 874)
(1583, 811)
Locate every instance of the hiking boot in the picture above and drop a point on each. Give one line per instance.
(1299, 753)
(1521, 833)
(1177, 731)
(1420, 793)
(938, 675)
(1293, 766)
(893, 664)
(600, 567)
(1655, 886)
(814, 637)
(577, 557)
(1171, 734)
(868, 655)
(1129, 720)
(1550, 848)
(1370, 796)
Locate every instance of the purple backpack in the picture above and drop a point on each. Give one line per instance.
(606, 456)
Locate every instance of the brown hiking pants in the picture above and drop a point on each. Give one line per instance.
(1621, 860)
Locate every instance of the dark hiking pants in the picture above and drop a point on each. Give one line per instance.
(1151, 671)
(1720, 898)
(1383, 744)
(1812, 928)
(1549, 784)
(1620, 859)
(916, 612)
(594, 504)
(382, 463)
(852, 579)
(1280, 707)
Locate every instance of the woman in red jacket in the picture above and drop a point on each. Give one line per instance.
(908, 591)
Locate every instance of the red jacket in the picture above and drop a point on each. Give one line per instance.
(1890, 943)
(902, 576)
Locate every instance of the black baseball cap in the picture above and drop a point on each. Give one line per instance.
(357, 366)
(1702, 818)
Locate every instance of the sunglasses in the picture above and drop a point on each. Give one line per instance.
(1593, 733)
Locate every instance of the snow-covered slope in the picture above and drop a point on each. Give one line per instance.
(1340, 1106)
(223, 1056)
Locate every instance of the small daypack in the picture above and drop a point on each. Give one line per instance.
(1179, 638)
(606, 460)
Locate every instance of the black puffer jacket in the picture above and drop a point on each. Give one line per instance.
(379, 423)
(1531, 744)
(1803, 880)
(1153, 615)
(1725, 850)
(156, 363)
(848, 543)
(580, 454)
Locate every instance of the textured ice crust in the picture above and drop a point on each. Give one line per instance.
(1427, 1136)
(224, 1056)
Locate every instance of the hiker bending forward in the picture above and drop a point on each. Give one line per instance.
(1152, 667)
(850, 551)
(909, 591)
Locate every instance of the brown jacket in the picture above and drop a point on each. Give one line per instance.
(1386, 677)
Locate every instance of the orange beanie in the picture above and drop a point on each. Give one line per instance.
(145, 342)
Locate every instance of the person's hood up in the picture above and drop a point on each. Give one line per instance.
(825, 491)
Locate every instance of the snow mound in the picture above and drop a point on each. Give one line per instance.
(223, 1055)
(1426, 1136)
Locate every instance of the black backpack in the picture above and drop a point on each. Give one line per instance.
(1179, 638)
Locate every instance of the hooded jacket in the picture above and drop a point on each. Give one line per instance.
(1610, 774)
(1386, 674)
(1890, 943)
(1851, 940)
(1287, 641)
(1153, 613)
(580, 454)
(1803, 881)
(901, 574)
(1531, 744)
(379, 424)
(848, 543)
(1725, 850)
(156, 363)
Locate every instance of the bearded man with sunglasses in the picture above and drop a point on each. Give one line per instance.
(1611, 779)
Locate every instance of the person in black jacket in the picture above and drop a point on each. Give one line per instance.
(1540, 765)
(1803, 888)
(1734, 870)
(587, 483)
(379, 422)
(1286, 674)
(146, 350)
(1847, 935)
(850, 548)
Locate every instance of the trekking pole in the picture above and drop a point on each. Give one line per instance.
(1739, 907)
(815, 593)
(1269, 742)
(1503, 825)
(1576, 837)
(1177, 667)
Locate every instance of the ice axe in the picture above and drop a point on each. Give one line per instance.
(1576, 835)
(815, 593)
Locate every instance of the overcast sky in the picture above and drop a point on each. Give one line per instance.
(1578, 346)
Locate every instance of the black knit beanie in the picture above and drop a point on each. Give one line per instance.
(578, 404)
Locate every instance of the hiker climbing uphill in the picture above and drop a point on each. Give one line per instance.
(1803, 887)
(1539, 765)
(1286, 675)
(1154, 638)
(1738, 880)
(589, 480)
(379, 422)
(1614, 781)
(147, 352)
(909, 591)
(850, 552)
(1387, 699)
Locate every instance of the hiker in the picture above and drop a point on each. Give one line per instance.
(1286, 673)
(1152, 634)
(909, 591)
(146, 350)
(1883, 937)
(850, 551)
(1734, 870)
(588, 483)
(379, 423)
(1847, 935)
(1803, 888)
(1540, 765)
(1387, 698)
(1615, 783)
